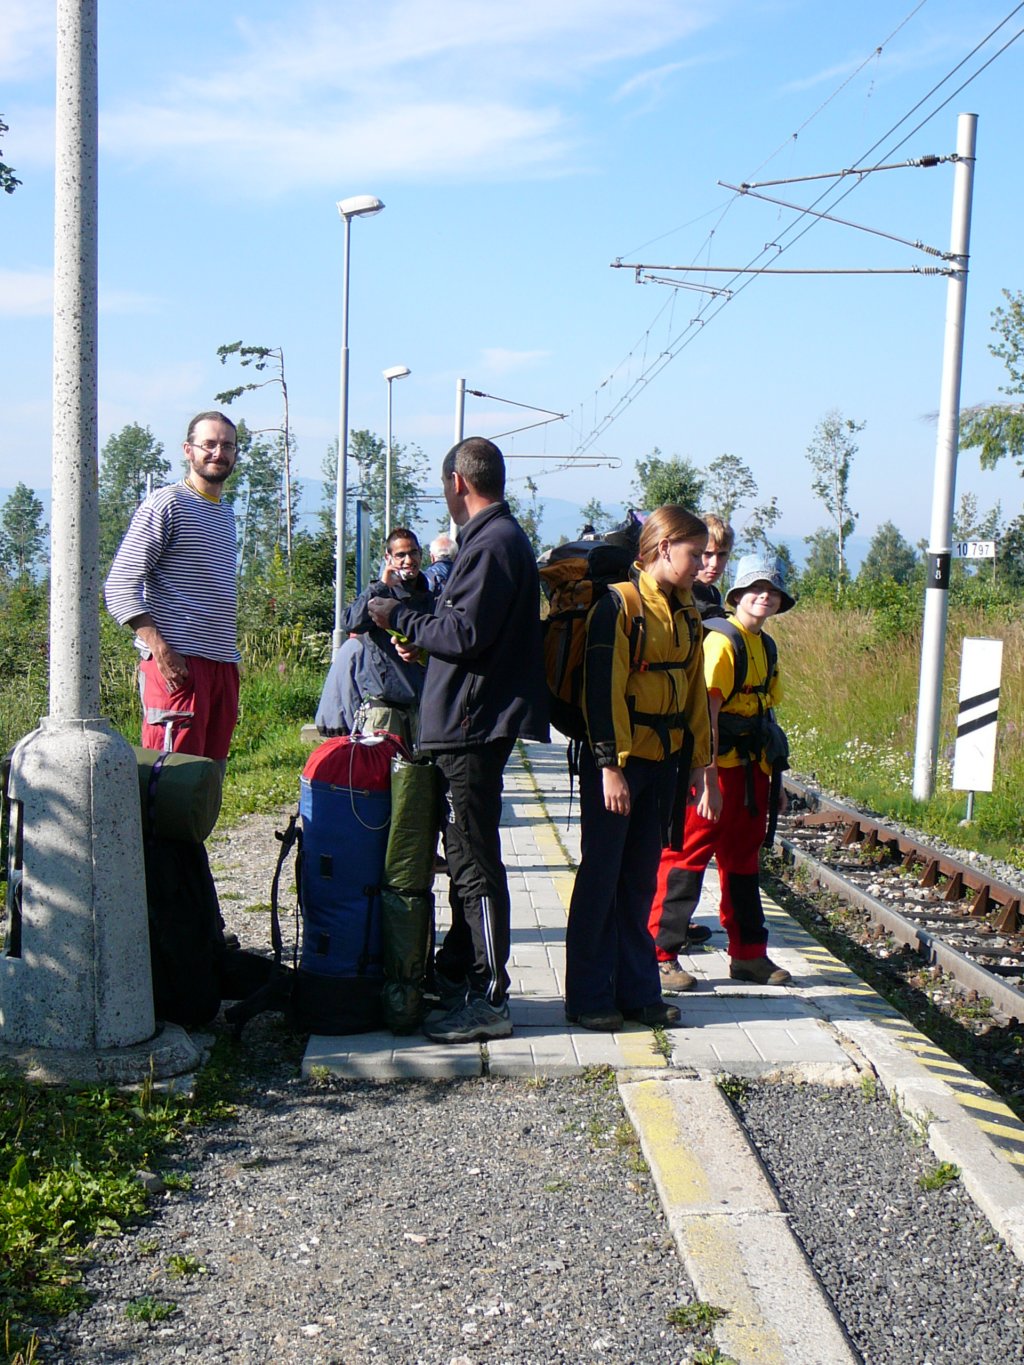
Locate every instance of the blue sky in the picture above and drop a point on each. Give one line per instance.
(520, 147)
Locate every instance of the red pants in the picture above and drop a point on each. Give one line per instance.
(211, 694)
(735, 841)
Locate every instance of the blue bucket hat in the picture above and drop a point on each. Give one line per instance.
(760, 568)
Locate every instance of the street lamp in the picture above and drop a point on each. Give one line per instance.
(395, 372)
(358, 206)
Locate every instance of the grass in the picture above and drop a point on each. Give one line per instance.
(945, 1173)
(149, 1309)
(68, 1176)
(850, 710)
(687, 1316)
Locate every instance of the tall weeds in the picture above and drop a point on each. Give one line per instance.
(850, 710)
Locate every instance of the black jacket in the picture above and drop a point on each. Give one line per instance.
(382, 674)
(485, 675)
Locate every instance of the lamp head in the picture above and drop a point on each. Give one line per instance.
(396, 372)
(359, 206)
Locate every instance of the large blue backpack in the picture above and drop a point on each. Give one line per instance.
(345, 809)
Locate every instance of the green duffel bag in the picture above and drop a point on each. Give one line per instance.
(407, 905)
(180, 795)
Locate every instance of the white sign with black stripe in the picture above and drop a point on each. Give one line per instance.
(974, 757)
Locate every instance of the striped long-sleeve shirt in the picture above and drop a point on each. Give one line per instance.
(177, 562)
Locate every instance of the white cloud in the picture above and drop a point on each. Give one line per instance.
(406, 88)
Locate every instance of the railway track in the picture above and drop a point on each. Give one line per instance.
(950, 910)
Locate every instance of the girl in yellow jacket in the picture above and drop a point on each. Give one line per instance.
(640, 721)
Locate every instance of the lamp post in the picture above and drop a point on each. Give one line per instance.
(395, 372)
(358, 206)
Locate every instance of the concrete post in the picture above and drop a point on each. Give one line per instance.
(75, 976)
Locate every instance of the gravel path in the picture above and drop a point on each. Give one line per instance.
(918, 1276)
(450, 1222)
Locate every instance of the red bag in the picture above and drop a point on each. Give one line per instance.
(360, 762)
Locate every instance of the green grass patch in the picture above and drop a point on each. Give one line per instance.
(688, 1316)
(945, 1173)
(149, 1309)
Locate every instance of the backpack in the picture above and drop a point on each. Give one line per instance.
(334, 986)
(573, 577)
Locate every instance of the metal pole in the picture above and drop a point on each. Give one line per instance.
(341, 498)
(387, 472)
(460, 426)
(940, 544)
(74, 522)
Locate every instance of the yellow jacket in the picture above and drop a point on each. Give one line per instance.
(616, 699)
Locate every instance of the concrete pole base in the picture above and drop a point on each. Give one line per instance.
(75, 974)
(170, 1052)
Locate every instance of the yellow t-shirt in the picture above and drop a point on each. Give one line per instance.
(720, 674)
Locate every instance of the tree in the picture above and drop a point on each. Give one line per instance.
(889, 556)
(728, 483)
(528, 514)
(593, 514)
(259, 357)
(830, 455)
(659, 481)
(127, 462)
(9, 182)
(823, 555)
(255, 490)
(22, 533)
(408, 469)
(761, 520)
(997, 429)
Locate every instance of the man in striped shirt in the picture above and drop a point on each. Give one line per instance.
(173, 581)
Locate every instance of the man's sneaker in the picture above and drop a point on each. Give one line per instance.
(697, 934)
(673, 978)
(472, 1022)
(761, 970)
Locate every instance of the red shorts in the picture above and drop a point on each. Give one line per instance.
(211, 694)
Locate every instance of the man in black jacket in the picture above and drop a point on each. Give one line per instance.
(484, 687)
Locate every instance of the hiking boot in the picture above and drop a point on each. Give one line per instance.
(655, 1016)
(450, 994)
(761, 970)
(472, 1022)
(601, 1021)
(673, 978)
(697, 934)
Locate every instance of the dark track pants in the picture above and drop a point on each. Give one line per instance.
(476, 947)
(609, 953)
(735, 841)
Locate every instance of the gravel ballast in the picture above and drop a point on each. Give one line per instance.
(918, 1277)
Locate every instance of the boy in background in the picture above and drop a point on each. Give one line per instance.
(730, 818)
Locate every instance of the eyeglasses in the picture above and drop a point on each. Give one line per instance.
(211, 447)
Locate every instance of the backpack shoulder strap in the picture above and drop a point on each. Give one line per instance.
(724, 625)
(632, 604)
(771, 655)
